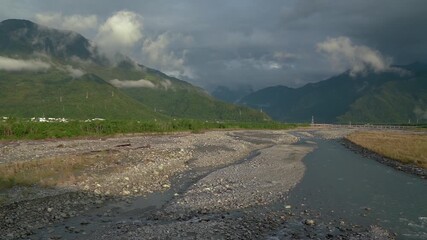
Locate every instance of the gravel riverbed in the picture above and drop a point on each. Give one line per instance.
(236, 184)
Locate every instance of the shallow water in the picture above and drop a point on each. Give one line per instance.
(130, 211)
(340, 183)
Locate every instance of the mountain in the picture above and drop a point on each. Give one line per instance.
(53, 94)
(231, 95)
(56, 73)
(388, 97)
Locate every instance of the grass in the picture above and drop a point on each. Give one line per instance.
(21, 129)
(404, 147)
(47, 172)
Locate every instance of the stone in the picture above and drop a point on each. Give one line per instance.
(309, 222)
(84, 222)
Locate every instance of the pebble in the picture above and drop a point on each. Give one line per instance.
(208, 222)
(309, 222)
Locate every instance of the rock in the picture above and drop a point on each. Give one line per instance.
(84, 222)
(8, 221)
(309, 222)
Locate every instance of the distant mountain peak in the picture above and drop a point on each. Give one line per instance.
(25, 37)
(386, 97)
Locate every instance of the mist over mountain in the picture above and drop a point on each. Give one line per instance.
(231, 95)
(56, 73)
(384, 97)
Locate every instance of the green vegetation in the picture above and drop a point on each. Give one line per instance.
(56, 93)
(21, 129)
(389, 97)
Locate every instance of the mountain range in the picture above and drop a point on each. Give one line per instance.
(395, 96)
(47, 72)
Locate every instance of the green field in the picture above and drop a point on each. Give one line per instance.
(25, 129)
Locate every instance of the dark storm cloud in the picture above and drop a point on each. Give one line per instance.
(261, 43)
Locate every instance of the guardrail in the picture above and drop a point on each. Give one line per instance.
(370, 126)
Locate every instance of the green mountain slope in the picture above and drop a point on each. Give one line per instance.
(54, 94)
(76, 67)
(373, 98)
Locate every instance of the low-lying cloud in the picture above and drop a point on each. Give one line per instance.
(157, 54)
(142, 83)
(420, 113)
(74, 72)
(13, 65)
(343, 54)
(120, 32)
(76, 22)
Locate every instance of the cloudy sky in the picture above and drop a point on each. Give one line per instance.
(244, 42)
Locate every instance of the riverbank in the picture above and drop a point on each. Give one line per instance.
(407, 168)
(404, 151)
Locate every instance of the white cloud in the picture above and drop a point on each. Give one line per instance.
(166, 84)
(120, 32)
(157, 54)
(420, 113)
(76, 23)
(284, 56)
(344, 54)
(74, 72)
(10, 64)
(132, 83)
(260, 64)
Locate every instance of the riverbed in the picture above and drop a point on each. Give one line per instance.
(218, 185)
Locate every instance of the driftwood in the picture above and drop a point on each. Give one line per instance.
(124, 145)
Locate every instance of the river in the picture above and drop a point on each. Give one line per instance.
(342, 184)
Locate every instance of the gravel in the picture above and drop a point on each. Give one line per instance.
(234, 186)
